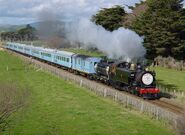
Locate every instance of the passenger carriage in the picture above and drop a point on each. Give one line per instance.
(63, 58)
(84, 64)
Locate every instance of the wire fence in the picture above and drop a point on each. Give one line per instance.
(171, 92)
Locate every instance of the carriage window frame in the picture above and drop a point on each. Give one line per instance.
(45, 54)
(67, 59)
(26, 49)
(36, 52)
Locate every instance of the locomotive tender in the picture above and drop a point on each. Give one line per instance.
(121, 75)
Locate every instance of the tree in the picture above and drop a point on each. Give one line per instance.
(110, 18)
(27, 33)
(163, 26)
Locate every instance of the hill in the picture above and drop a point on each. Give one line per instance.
(6, 28)
(37, 25)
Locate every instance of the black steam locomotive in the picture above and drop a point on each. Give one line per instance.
(135, 79)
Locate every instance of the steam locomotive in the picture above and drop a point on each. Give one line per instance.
(135, 79)
(132, 78)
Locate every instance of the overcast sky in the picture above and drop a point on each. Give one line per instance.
(27, 11)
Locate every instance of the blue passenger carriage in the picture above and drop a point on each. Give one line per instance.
(63, 58)
(46, 54)
(12, 46)
(85, 64)
(27, 49)
(35, 52)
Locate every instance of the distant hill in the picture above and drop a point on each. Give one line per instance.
(5, 28)
(37, 25)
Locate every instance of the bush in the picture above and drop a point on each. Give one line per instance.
(169, 62)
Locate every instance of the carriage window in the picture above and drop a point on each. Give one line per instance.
(20, 48)
(78, 61)
(26, 49)
(59, 58)
(36, 52)
(67, 59)
(46, 54)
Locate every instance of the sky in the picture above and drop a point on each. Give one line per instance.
(28, 11)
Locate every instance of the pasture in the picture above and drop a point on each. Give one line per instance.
(56, 107)
(85, 52)
(170, 78)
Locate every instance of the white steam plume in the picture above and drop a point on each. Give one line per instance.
(122, 43)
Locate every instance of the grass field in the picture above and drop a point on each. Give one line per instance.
(57, 107)
(85, 52)
(171, 78)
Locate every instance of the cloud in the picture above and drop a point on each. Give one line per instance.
(68, 9)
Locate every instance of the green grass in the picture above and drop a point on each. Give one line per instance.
(35, 42)
(58, 107)
(171, 78)
(85, 52)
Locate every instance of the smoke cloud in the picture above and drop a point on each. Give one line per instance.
(122, 43)
(50, 25)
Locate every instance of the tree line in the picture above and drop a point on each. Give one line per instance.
(161, 23)
(28, 33)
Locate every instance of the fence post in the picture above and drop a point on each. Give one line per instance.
(157, 114)
(105, 93)
(174, 92)
(81, 83)
(142, 107)
(116, 96)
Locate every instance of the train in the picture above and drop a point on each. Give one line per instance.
(133, 78)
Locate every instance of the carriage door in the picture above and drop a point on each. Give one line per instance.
(83, 64)
(54, 58)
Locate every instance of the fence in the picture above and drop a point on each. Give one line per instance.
(125, 99)
(171, 92)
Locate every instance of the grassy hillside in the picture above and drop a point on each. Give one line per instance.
(59, 107)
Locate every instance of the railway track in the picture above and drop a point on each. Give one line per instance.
(178, 110)
(169, 106)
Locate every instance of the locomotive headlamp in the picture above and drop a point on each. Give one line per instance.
(147, 79)
(107, 69)
(95, 66)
